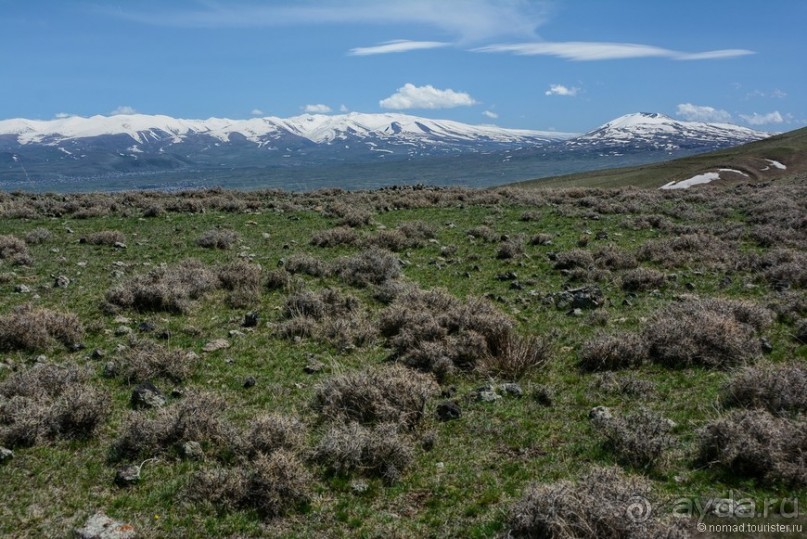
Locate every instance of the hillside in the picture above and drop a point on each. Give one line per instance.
(407, 362)
(753, 160)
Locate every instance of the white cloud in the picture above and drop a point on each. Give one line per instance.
(779, 94)
(761, 119)
(559, 89)
(317, 109)
(399, 45)
(699, 113)
(592, 50)
(62, 115)
(490, 114)
(343, 108)
(256, 112)
(410, 96)
(123, 109)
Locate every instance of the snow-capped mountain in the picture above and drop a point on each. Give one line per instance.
(643, 130)
(314, 150)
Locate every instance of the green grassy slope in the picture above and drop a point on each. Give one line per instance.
(789, 149)
(464, 475)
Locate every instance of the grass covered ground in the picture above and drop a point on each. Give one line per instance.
(401, 363)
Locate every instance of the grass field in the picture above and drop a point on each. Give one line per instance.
(367, 394)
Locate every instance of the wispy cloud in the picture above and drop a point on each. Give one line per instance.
(63, 115)
(343, 109)
(410, 96)
(559, 89)
(317, 109)
(701, 113)
(256, 112)
(398, 45)
(123, 109)
(465, 19)
(490, 114)
(774, 117)
(592, 50)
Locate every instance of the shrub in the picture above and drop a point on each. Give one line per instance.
(349, 215)
(30, 328)
(104, 237)
(777, 388)
(307, 264)
(274, 432)
(243, 280)
(333, 237)
(278, 279)
(196, 418)
(688, 249)
(754, 443)
(711, 333)
(642, 279)
(48, 402)
(575, 258)
(483, 232)
(389, 394)
(166, 288)
(379, 451)
(638, 439)
(603, 503)
(627, 384)
(611, 352)
(14, 250)
(517, 356)
(541, 239)
(147, 360)
(37, 235)
(509, 249)
(427, 327)
(218, 238)
(373, 266)
(272, 485)
(614, 258)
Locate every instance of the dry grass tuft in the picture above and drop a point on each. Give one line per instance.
(14, 250)
(370, 267)
(30, 328)
(147, 360)
(779, 389)
(274, 432)
(642, 279)
(638, 439)
(607, 352)
(388, 394)
(334, 237)
(754, 443)
(104, 237)
(517, 356)
(218, 239)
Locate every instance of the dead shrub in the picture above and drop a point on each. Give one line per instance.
(334, 237)
(688, 249)
(708, 332)
(754, 443)
(431, 326)
(642, 279)
(306, 264)
(218, 238)
(48, 402)
(388, 394)
(349, 215)
(196, 418)
(638, 439)
(606, 352)
(378, 451)
(373, 266)
(37, 235)
(509, 249)
(278, 280)
(603, 503)
(147, 360)
(627, 384)
(273, 485)
(104, 237)
(614, 258)
(517, 356)
(483, 232)
(779, 389)
(531, 215)
(30, 328)
(575, 258)
(243, 280)
(166, 288)
(541, 239)
(14, 250)
(274, 432)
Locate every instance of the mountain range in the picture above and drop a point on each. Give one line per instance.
(351, 150)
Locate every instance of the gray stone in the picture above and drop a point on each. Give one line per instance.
(62, 281)
(127, 475)
(100, 526)
(22, 289)
(218, 344)
(5, 454)
(487, 396)
(512, 389)
(123, 330)
(600, 413)
(110, 369)
(120, 245)
(448, 410)
(249, 382)
(146, 395)
(193, 451)
(313, 366)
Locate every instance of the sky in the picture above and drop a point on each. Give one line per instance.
(562, 65)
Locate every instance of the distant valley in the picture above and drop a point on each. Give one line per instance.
(350, 151)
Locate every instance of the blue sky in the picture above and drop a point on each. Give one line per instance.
(566, 65)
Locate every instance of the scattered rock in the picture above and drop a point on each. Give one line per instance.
(120, 331)
(249, 382)
(193, 451)
(251, 320)
(586, 297)
(127, 475)
(120, 319)
(110, 369)
(728, 507)
(428, 440)
(600, 413)
(766, 345)
(100, 526)
(359, 486)
(119, 245)
(62, 281)
(233, 333)
(146, 327)
(508, 276)
(314, 365)
(5, 455)
(512, 389)
(22, 289)
(164, 335)
(218, 344)
(448, 410)
(98, 353)
(487, 396)
(542, 396)
(448, 392)
(146, 395)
